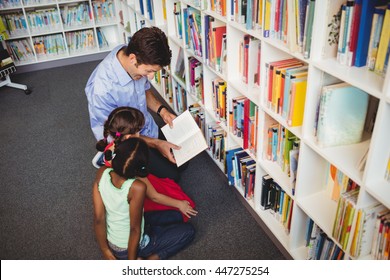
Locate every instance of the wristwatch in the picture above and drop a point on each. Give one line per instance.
(160, 108)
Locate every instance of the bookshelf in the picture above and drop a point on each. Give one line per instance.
(262, 43)
(41, 31)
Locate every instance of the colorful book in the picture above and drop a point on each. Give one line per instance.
(383, 43)
(342, 114)
(367, 12)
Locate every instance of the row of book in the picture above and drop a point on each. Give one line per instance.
(243, 121)
(79, 41)
(290, 22)
(216, 139)
(249, 61)
(219, 99)
(241, 171)
(76, 15)
(215, 42)
(364, 34)
(218, 6)
(147, 5)
(372, 232)
(277, 201)
(344, 217)
(282, 147)
(14, 24)
(104, 11)
(179, 98)
(10, 3)
(338, 182)
(166, 85)
(180, 66)
(43, 20)
(20, 50)
(177, 20)
(193, 30)
(51, 45)
(248, 13)
(196, 78)
(286, 83)
(319, 245)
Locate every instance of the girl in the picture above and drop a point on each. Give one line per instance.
(118, 210)
(124, 123)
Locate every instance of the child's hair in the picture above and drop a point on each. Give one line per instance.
(130, 158)
(150, 46)
(121, 121)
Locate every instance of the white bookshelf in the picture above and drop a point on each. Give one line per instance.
(312, 197)
(77, 36)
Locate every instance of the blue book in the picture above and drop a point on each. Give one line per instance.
(363, 40)
(342, 115)
(141, 6)
(249, 7)
(150, 8)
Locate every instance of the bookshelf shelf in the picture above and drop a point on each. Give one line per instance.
(38, 22)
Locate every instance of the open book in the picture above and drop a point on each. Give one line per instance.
(186, 134)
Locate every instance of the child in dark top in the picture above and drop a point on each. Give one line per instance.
(118, 198)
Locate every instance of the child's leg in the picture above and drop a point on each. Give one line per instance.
(165, 241)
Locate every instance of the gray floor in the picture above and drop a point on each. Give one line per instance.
(46, 176)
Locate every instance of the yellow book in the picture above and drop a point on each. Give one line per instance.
(164, 6)
(297, 105)
(383, 43)
(267, 18)
(222, 99)
(353, 249)
(3, 30)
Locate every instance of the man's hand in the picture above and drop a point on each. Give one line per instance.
(165, 148)
(167, 117)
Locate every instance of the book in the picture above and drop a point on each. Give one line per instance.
(186, 134)
(376, 28)
(342, 114)
(230, 158)
(367, 12)
(383, 43)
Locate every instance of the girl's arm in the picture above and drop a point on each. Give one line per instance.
(136, 200)
(183, 205)
(100, 219)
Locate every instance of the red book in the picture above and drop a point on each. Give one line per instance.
(354, 33)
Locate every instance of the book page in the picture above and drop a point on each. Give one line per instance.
(186, 134)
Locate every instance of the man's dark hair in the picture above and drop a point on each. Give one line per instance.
(150, 46)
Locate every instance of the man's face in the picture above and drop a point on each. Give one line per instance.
(137, 71)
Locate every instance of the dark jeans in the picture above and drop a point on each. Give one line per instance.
(168, 235)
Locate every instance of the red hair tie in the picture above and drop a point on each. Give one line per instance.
(118, 134)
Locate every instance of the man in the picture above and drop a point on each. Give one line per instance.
(121, 79)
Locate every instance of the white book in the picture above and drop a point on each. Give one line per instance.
(186, 134)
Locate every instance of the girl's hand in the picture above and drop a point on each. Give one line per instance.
(108, 255)
(186, 209)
